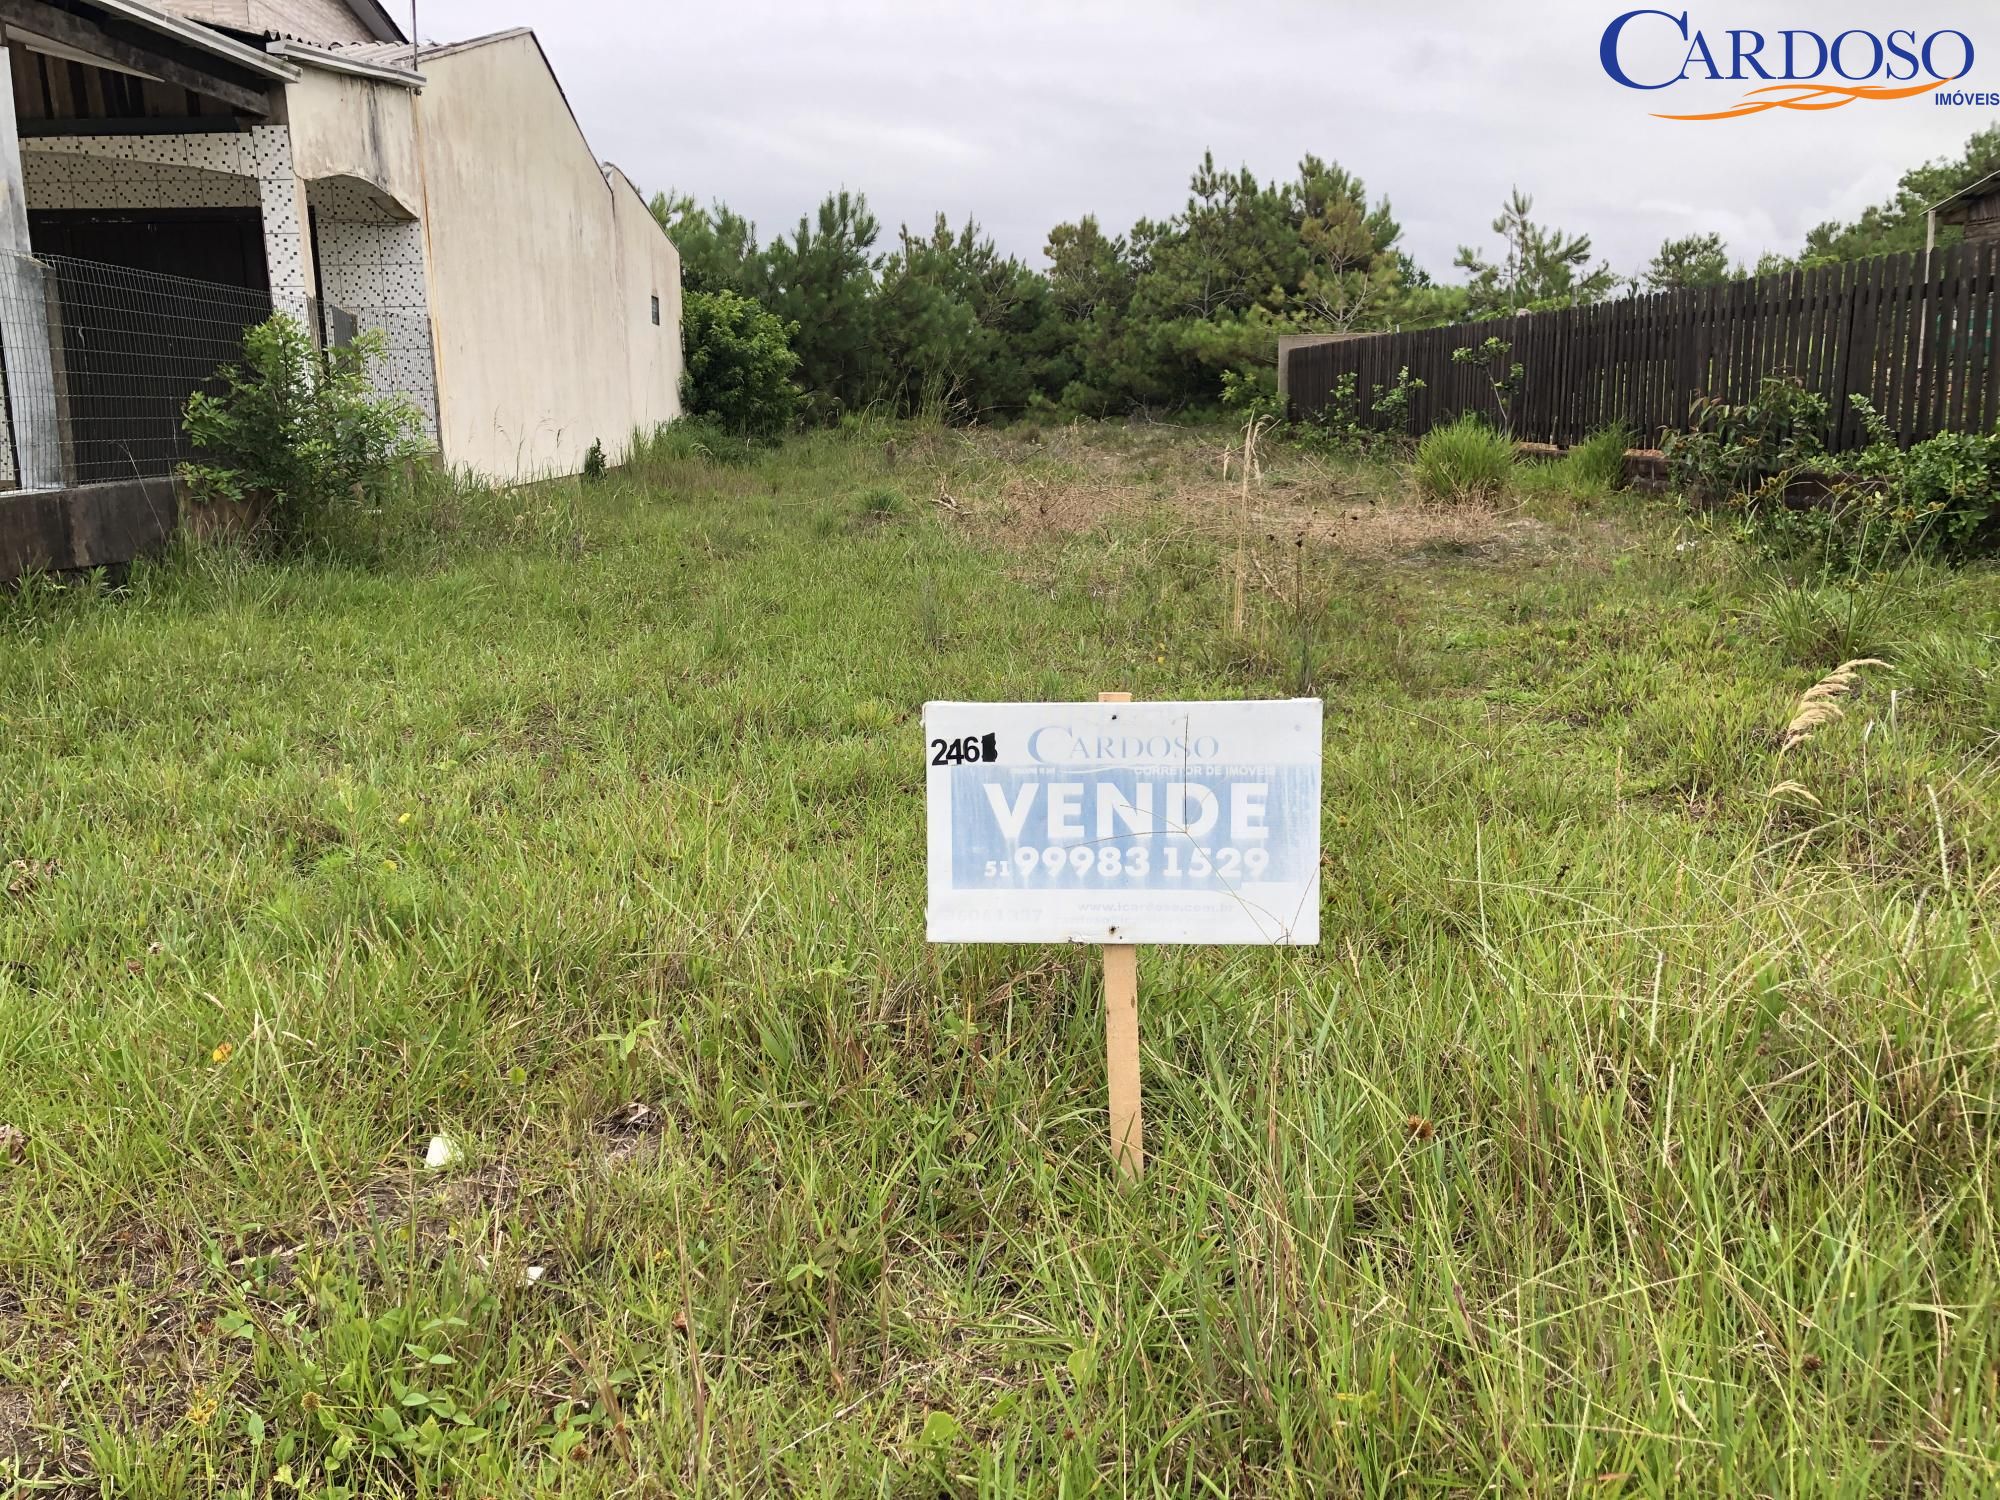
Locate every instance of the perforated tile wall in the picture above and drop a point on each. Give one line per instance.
(372, 264)
(371, 255)
(56, 181)
(262, 154)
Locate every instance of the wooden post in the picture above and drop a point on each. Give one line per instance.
(31, 376)
(1121, 1044)
(59, 366)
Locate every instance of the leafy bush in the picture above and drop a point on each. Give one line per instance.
(1391, 403)
(297, 430)
(594, 466)
(1344, 426)
(1752, 451)
(1253, 397)
(739, 365)
(1464, 460)
(1949, 484)
(1940, 496)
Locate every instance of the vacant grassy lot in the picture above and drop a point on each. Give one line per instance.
(1631, 1133)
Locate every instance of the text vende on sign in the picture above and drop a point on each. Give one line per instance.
(1124, 823)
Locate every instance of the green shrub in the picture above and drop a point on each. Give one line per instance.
(739, 365)
(297, 430)
(1252, 396)
(1346, 426)
(594, 466)
(1828, 624)
(697, 439)
(1464, 460)
(1940, 496)
(1885, 504)
(1598, 462)
(1749, 452)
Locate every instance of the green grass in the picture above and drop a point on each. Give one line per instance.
(1462, 461)
(1590, 470)
(1599, 460)
(1630, 1133)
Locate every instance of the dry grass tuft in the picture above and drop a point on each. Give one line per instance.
(1025, 493)
(1412, 530)
(1033, 505)
(1253, 470)
(1820, 704)
(23, 877)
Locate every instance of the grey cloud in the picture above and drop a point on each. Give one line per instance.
(1029, 112)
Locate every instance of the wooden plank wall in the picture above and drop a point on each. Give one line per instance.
(1919, 348)
(48, 89)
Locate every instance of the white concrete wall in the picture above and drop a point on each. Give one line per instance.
(542, 273)
(343, 126)
(514, 275)
(649, 266)
(354, 141)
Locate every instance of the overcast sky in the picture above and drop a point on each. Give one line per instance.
(1029, 112)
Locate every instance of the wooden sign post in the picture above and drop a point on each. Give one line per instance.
(1117, 823)
(1121, 1043)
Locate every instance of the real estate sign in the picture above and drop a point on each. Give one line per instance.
(1124, 823)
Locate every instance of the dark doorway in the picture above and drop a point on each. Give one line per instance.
(224, 245)
(148, 306)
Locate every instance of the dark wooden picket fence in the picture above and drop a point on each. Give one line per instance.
(1919, 347)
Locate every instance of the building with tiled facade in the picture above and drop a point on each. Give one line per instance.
(304, 151)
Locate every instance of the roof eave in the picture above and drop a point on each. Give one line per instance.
(194, 34)
(1984, 187)
(333, 62)
(378, 20)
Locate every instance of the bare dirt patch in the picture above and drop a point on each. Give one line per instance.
(1067, 484)
(635, 1129)
(1413, 531)
(20, 1446)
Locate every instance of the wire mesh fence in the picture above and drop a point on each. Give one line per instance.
(99, 362)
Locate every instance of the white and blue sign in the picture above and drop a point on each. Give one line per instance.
(1124, 822)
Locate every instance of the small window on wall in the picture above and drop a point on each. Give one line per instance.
(656, 312)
